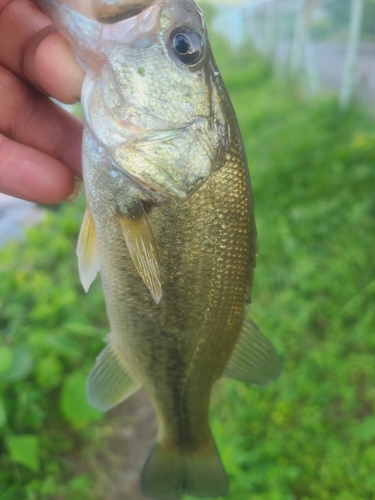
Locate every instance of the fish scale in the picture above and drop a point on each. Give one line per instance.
(170, 225)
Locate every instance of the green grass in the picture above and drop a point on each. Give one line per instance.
(50, 334)
(310, 435)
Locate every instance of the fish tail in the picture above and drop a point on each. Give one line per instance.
(167, 475)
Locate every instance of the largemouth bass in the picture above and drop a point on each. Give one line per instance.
(169, 223)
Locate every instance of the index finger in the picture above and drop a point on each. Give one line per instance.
(32, 49)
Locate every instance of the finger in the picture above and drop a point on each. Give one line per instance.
(49, 65)
(32, 175)
(31, 48)
(34, 120)
(20, 20)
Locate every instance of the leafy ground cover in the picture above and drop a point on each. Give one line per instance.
(309, 436)
(50, 334)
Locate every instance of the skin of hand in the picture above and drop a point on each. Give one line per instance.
(40, 143)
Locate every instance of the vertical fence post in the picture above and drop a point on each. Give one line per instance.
(298, 37)
(354, 37)
(262, 27)
(252, 25)
(311, 66)
(271, 28)
(257, 27)
(236, 26)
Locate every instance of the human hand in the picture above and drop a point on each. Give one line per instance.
(40, 143)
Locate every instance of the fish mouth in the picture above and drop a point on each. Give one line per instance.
(107, 13)
(128, 22)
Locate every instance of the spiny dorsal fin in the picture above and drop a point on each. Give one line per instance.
(254, 359)
(87, 251)
(143, 252)
(109, 382)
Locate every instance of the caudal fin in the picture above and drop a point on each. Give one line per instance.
(168, 475)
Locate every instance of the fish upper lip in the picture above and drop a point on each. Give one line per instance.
(137, 25)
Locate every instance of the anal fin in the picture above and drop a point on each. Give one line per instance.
(254, 359)
(87, 251)
(109, 382)
(142, 249)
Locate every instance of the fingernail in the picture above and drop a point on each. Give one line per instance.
(77, 190)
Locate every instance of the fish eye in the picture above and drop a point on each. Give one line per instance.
(186, 45)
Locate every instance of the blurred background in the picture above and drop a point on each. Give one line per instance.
(300, 74)
(330, 44)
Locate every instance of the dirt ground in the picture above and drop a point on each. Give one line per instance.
(135, 428)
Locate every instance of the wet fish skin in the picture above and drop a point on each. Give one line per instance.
(170, 224)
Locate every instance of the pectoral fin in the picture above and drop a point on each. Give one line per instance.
(254, 359)
(143, 252)
(109, 382)
(87, 251)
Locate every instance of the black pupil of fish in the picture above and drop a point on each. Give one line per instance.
(183, 44)
(186, 45)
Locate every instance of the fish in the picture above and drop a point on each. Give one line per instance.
(169, 224)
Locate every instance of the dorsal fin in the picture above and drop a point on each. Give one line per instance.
(254, 359)
(87, 251)
(142, 249)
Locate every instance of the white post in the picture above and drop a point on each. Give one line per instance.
(262, 26)
(354, 37)
(252, 27)
(298, 37)
(236, 26)
(258, 28)
(271, 28)
(219, 23)
(311, 66)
